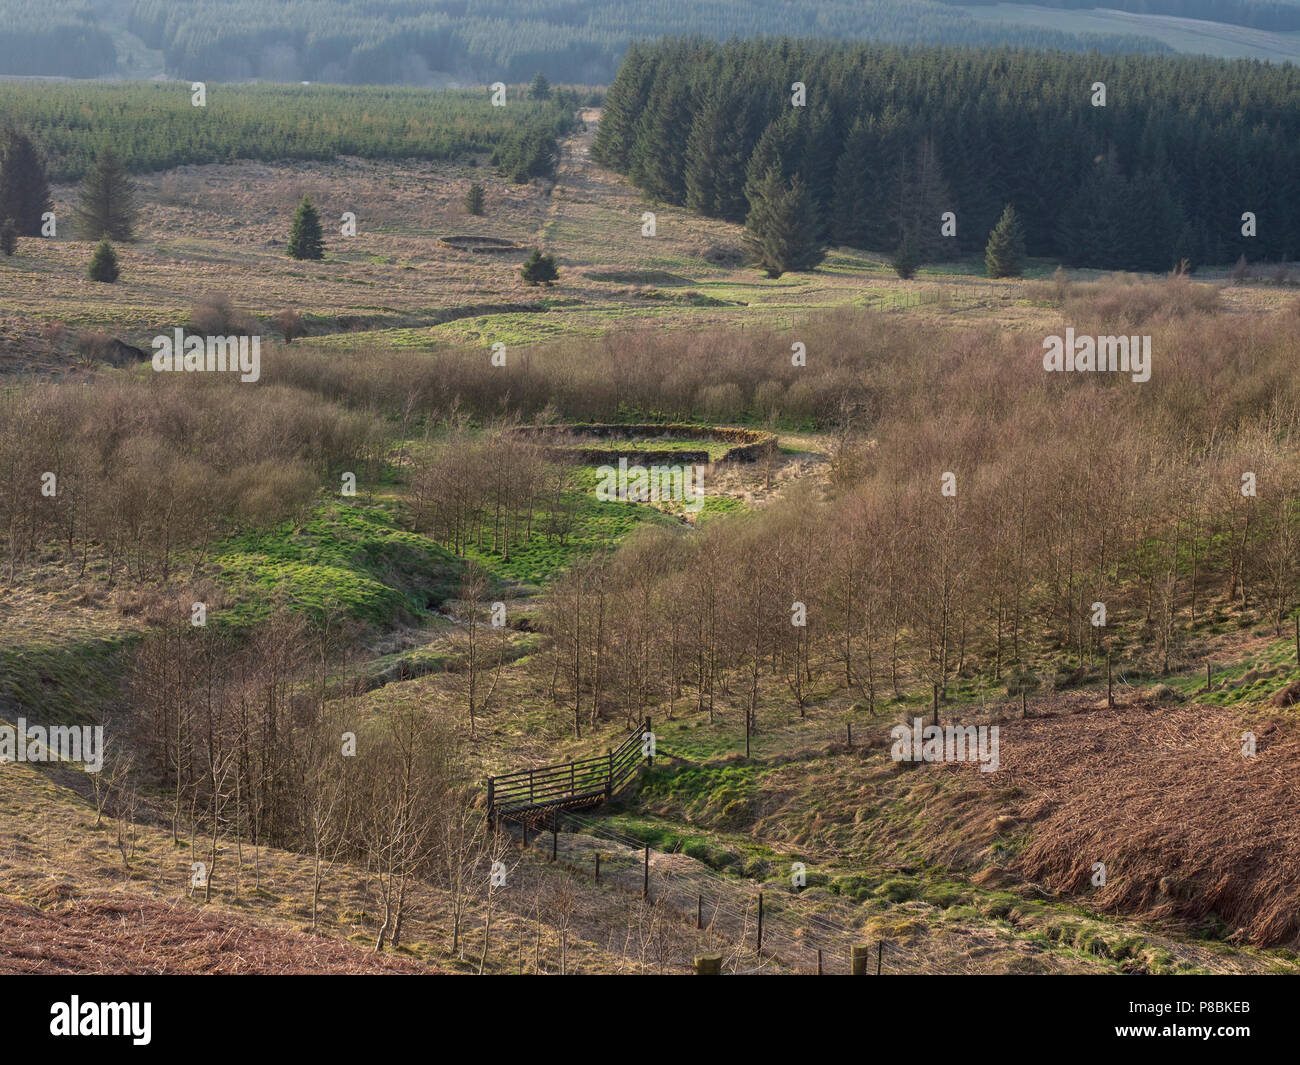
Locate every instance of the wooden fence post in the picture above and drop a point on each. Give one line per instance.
(880, 954)
(597, 867)
(645, 880)
(759, 947)
(699, 911)
(858, 957)
(1110, 698)
(708, 965)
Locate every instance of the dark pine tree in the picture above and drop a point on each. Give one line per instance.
(624, 104)
(921, 198)
(781, 231)
(305, 238)
(779, 148)
(474, 199)
(106, 204)
(24, 188)
(904, 263)
(1004, 256)
(8, 236)
(659, 156)
(540, 88)
(851, 202)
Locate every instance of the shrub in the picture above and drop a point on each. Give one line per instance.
(288, 323)
(103, 264)
(539, 268)
(722, 401)
(92, 345)
(769, 396)
(214, 316)
(54, 333)
(725, 255)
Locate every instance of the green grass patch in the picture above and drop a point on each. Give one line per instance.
(345, 556)
(595, 525)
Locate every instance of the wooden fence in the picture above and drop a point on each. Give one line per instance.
(569, 785)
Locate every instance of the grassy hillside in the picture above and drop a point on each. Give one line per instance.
(367, 615)
(221, 230)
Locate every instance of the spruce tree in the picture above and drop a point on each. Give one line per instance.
(624, 104)
(305, 238)
(8, 236)
(24, 188)
(905, 261)
(539, 268)
(474, 199)
(103, 263)
(659, 155)
(922, 199)
(106, 204)
(1005, 253)
(851, 202)
(781, 229)
(540, 89)
(703, 148)
(780, 148)
(869, 176)
(720, 147)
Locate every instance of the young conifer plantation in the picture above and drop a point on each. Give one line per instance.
(690, 488)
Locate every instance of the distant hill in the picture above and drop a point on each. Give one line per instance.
(450, 42)
(1225, 29)
(1279, 15)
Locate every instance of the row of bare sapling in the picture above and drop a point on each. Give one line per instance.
(1168, 503)
(252, 742)
(907, 591)
(492, 491)
(258, 742)
(127, 475)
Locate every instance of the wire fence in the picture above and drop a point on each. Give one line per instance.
(766, 930)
